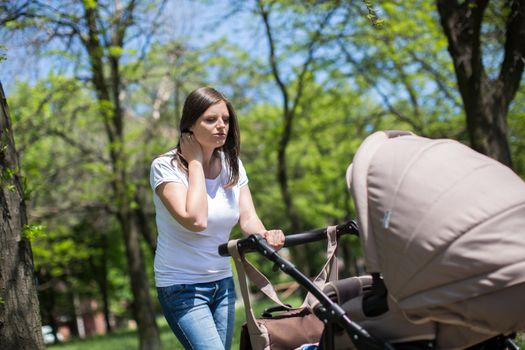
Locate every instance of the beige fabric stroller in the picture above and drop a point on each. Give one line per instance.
(442, 229)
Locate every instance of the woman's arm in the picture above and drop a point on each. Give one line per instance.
(250, 222)
(189, 206)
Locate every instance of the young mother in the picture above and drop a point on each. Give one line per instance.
(200, 192)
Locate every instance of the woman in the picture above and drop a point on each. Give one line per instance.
(200, 192)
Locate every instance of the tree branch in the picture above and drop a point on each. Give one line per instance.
(272, 56)
(404, 118)
(514, 60)
(309, 58)
(462, 26)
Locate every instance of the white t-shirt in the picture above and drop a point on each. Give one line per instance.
(183, 256)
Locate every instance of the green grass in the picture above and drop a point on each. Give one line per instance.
(127, 339)
(520, 340)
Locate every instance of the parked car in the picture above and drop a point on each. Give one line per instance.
(49, 337)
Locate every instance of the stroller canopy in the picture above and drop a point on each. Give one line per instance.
(445, 226)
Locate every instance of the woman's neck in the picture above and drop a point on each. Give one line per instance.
(210, 164)
(207, 158)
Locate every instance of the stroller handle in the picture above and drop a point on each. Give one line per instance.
(248, 244)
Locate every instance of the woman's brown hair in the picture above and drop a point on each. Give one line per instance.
(197, 102)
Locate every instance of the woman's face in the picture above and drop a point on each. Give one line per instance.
(211, 129)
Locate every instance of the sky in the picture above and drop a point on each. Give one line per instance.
(196, 22)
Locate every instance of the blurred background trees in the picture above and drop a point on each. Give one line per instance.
(310, 81)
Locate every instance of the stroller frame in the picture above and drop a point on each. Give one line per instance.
(329, 312)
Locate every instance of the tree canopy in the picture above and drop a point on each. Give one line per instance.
(310, 80)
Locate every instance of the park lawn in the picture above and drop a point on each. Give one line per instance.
(127, 339)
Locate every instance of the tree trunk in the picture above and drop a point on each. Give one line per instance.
(486, 101)
(104, 285)
(290, 106)
(20, 324)
(142, 222)
(142, 305)
(101, 278)
(108, 95)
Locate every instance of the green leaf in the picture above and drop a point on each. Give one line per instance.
(3, 54)
(115, 51)
(90, 4)
(31, 232)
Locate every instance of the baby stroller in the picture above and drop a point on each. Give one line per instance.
(442, 232)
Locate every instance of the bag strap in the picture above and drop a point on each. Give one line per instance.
(238, 260)
(259, 337)
(329, 272)
(256, 277)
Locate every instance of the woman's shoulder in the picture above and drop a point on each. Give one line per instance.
(165, 158)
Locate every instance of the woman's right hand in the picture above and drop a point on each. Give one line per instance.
(190, 147)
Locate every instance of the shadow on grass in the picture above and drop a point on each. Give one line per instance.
(124, 339)
(128, 340)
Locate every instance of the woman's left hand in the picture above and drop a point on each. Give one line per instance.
(275, 238)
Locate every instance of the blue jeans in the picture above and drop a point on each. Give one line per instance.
(201, 315)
